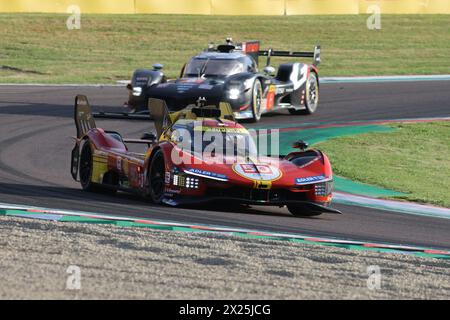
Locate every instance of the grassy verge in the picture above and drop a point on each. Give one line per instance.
(110, 47)
(414, 159)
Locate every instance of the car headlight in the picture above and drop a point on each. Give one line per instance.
(185, 181)
(137, 91)
(234, 93)
(324, 189)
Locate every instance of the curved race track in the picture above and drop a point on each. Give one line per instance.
(36, 125)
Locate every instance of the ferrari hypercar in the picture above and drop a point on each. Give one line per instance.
(230, 73)
(199, 154)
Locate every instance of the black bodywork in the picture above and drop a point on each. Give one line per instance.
(230, 73)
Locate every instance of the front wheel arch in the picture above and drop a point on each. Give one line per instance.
(309, 107)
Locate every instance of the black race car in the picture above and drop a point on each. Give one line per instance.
(230, 73)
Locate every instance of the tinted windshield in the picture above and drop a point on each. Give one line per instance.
(213, 67)
(215, 141)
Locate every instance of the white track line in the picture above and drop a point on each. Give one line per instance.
(211, 228)
(392, 205)
(120, 83)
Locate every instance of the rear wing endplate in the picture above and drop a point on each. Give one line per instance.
(84, 121)
(158, 109)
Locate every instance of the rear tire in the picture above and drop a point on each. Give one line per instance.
(311, 96)
(156, 172)
(301, 211)
(86, 170)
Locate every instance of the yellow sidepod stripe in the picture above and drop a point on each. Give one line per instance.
(100, 167)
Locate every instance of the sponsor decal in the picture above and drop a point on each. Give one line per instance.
(135, 175)
(188, 84)
(173, 191)
(119, 164)
(310, 179)
(259, 172)
(209, 174)
(280, 91)
(205, 86)
(192, 80)
(125, 167)
(167, 178)
(184, 87)
(270, 98)
(243, 114)
(220, 129)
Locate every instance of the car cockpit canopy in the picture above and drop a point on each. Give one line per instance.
(164, 119)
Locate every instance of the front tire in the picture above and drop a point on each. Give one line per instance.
(256, 102)
(156, 172)
(302, 211)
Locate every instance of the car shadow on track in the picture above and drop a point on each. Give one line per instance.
(59, 197)
(226, 206)
(9, 190)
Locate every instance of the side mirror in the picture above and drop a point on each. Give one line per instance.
(157, 66)
(269, 70)
(148, 136)
(300, 144)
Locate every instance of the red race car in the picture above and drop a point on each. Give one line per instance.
(199, 154)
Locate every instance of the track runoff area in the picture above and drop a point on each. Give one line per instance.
(368, 222)
(350, 117)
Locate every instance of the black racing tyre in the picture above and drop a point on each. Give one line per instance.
(86, 169)
(311, 96)
(156, 172)
(256, 102)
(302, 211)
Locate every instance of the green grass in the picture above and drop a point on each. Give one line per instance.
(414, 159)
(110, 47)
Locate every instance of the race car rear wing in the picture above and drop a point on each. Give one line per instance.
(252, 48)
(292, 54)
(122, 115)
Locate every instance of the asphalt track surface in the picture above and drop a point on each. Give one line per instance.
(36, 126)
